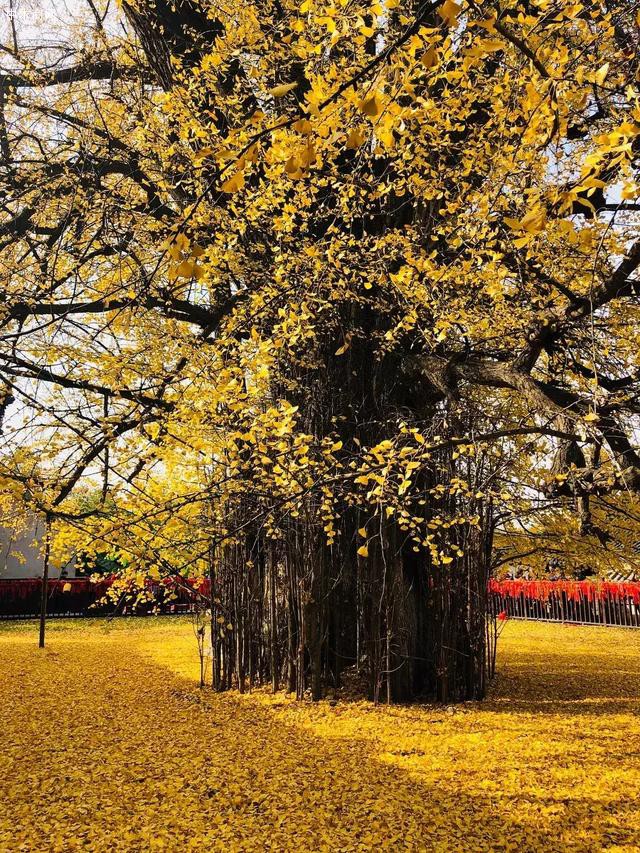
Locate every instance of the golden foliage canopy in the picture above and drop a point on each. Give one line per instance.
(212, 212)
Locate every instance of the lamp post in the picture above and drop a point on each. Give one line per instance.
(45, 579)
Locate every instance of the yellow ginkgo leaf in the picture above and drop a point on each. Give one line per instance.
(429, 57)
(224, 154)
(363, 532)
(303, 126)
(355, 139)
(591, 418)
(534, 220)
(282, 89)
(202, 154)
(308, 156)
(344, 347)
(487, 24)
(514, 224)
(234, 183)
(492, 45)
(449, 12)
(371, 106)
(601, 74)
(185, 269)
(292, 165)
(363, 551)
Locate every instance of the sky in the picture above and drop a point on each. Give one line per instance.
(39, 22)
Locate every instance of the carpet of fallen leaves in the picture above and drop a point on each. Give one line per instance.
(109, 745)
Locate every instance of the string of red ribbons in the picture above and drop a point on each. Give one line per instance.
(534, 590)
(543, 590)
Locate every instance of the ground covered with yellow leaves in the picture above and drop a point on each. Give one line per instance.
(109, 745)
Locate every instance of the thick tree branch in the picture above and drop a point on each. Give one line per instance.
(99, 69)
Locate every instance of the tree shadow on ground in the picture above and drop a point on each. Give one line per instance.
(127, 754)
(536, 778)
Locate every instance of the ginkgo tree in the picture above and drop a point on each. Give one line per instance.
(316, 298)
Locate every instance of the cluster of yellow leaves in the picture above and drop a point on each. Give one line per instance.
(108, 745)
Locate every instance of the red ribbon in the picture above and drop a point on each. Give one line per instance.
(543, 590)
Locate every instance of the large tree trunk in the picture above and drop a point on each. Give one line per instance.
(417, 629)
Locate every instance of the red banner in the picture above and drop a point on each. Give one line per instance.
(544, 590)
